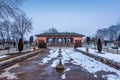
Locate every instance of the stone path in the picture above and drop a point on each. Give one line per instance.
(34, 69)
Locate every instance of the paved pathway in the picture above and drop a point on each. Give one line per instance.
(41, 67)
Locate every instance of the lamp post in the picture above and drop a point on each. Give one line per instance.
(117, 50)
(107, 48)
(8, 47)
(117, 47)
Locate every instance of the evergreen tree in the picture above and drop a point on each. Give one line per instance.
(99, 45)
(20, 44)
(119, 38)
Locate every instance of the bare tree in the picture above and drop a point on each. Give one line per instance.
(7, 26)
(118, 38)
(113, 32)
(52, 30)
(23, 25)
(99, 33)
(14, 33)
(2, 33)
(9, 10)
(118, 29)
(9, 7)
(110, 33)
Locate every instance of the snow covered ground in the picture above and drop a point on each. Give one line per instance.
(77, 58)
(110, 56)
(2, 56)
(8, 75)
(13, 50)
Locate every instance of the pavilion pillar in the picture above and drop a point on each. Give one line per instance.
(57, 40)
(62, 40)
(47, 40)
(65, 40)
(71, 40)
(53, 40)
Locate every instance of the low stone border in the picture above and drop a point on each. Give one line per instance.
(15, 60)
(102, 59)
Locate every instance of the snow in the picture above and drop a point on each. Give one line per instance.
(77, 58)
(68, 69)
(2, 56)
(7, 74)
(111, 77)
(95, 75)
(13, 51)
(55, 62)
(90, 64)
(53, 54)
(110, 56)
(63, 76)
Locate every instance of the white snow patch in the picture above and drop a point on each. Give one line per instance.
(77, 58)
(63, 76)
(111, 77)
(53, 54)
(41, 63)
(8, 74)
(95, 75)
(2, 56)
(90, 64)
(68, 69)
(55, 62)
(110, 56)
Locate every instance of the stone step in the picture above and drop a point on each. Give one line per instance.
(17, 59)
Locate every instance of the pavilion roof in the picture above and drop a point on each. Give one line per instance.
(68, 34)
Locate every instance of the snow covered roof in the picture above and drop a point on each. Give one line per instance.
(70, 34)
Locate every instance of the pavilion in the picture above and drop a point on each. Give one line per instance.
(59, 38)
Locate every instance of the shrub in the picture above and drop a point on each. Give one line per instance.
(42, 45)
(88, 40)
(99, 45)
(105, 42)
(20, 44)
(77, 45)
(31, 40)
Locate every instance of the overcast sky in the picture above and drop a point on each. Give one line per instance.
(81, 16)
